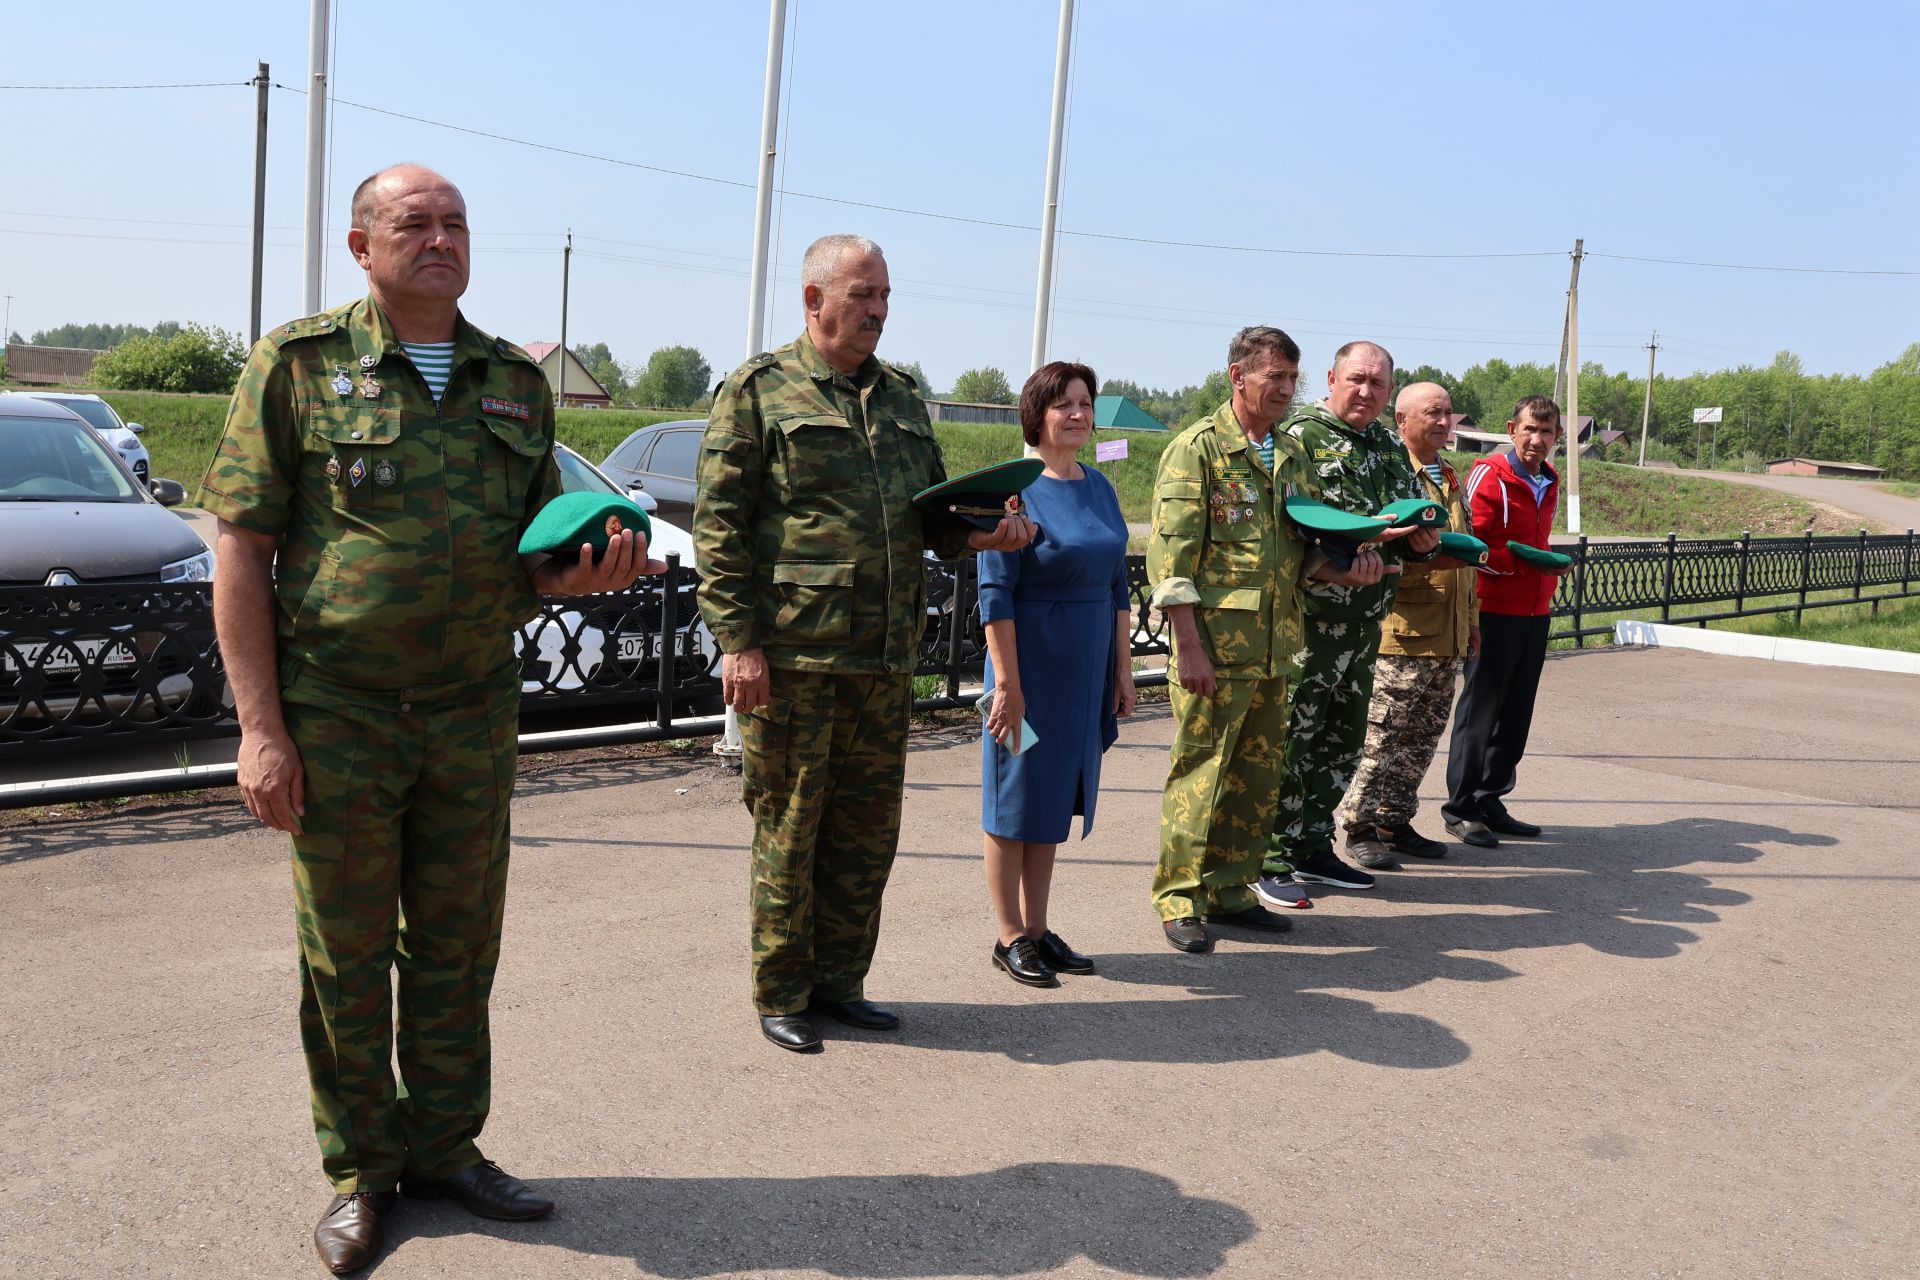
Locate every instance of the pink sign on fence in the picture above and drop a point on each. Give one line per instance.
(1109, 450)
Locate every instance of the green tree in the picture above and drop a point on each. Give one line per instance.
(617, 378)
(101, 337)
(675, 378)
(195, 359)
(982, 386)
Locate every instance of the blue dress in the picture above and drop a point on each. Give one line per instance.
(1063, 592)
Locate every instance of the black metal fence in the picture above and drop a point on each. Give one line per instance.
(96, 666)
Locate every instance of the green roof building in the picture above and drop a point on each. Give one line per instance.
(1122, 413)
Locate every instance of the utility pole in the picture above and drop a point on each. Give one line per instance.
(1560, 367)
(566, 273)
(1573, 392)
(1042, 302)
(1646, 407)
(316, 153)
(261, 83)
(6, 328)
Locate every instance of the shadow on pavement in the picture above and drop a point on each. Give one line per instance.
(1029, 1218)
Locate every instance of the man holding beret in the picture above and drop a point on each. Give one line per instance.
(1433, 627)
(813, 586)
(380, 463)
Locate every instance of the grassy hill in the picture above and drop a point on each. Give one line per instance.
(1615, 500)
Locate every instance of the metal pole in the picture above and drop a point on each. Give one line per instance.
(566, 272)
(316, 154)
(1646, 406)
(1573, 393)
(763, 211)
(729, 744)
(1042, 300)
(262, 82)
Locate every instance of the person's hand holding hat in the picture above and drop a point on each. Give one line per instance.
(989, 500)
(594, 542)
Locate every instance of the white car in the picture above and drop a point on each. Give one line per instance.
(615, 644)
(123, 437)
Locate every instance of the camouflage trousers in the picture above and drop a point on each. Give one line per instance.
(825, 762)
(1220, 796)
(1325, 730)
(1412, 699)
(402, 864)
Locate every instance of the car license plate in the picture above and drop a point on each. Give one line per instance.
(62, 662)
(633, 648)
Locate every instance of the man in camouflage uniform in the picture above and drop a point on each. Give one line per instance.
(1226, 567)
(374, 677)
(813, 587)
(1433, 628)
(1361, 466)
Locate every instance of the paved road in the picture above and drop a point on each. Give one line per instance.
(1881, 510)
(1675, 1037)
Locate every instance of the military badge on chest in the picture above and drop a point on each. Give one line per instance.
(1232, 501)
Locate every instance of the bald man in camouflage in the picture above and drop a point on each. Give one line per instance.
(812, 583)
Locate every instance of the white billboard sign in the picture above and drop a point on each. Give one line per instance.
(1702, 416)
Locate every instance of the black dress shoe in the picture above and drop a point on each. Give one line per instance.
(1255, 917)
(1404, 839)
(790, 1031)
(1186, 934)
(1470, 831)
(1060, 957)
(484, 1189)
(352, 1230)
(1508, 825)
(1021, 961)
(864, 1014)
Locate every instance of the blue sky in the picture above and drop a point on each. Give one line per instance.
(1745, 133)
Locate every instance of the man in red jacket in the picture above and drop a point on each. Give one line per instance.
(1510, 497)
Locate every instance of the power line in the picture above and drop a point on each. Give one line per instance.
(1747, 266)
(91, 88)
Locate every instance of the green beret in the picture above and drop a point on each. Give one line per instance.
(1418, 513)
(980, 497)
(1463, 546)
(574, 518)
(1551, 561)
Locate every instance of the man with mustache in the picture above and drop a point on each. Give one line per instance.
(380, 463)
(813, 586)
(1362, 466)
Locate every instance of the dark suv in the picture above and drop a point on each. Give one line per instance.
(661, 459)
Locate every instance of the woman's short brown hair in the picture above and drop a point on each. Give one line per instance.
(1048, 383)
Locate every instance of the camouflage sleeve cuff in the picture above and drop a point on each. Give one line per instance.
(1175, 591)
(1309, 566)
(735, 639)
(241, 516)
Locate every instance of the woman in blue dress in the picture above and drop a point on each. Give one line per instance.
(1058, 618)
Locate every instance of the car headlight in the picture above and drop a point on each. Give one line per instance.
(193, 569)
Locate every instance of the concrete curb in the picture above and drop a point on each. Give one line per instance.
(1737, 644)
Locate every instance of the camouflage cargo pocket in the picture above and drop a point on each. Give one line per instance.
(1236, 626)
(766, 732)
(813, 601)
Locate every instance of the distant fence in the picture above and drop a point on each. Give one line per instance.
(95, 666)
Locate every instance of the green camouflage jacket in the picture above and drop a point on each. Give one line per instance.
(1359, 471)
(808, 543)
(399, 521)
(1221, 542)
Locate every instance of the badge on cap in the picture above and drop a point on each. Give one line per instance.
(614, 527)
(357, 472)
(385, 473)
(342, 383)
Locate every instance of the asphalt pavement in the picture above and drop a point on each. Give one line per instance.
(1674, 1037)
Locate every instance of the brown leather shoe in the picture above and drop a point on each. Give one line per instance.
(352, 1230)
(484, 1189)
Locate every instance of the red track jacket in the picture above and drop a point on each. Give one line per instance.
(1500, 503)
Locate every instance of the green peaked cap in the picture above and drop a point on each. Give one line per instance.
(1540, 559)
(1317, 517)
(980, 497)
(1463, 546)
(574, 518)
(1420, 513)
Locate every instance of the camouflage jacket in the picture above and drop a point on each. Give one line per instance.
(808, 543)
(1433, 608)
(1222, 543)
(1359, 471)
(399, 521)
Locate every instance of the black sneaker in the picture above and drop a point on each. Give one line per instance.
(1324, 868)
(1186, 934)
(1404, 839)
(1371, 853)
(1255, 917)
(1281, 891)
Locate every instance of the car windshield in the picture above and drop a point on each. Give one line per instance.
(578, 476)
(97, 412)
(58, 460)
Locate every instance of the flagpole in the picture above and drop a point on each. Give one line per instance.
(1042, 302)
